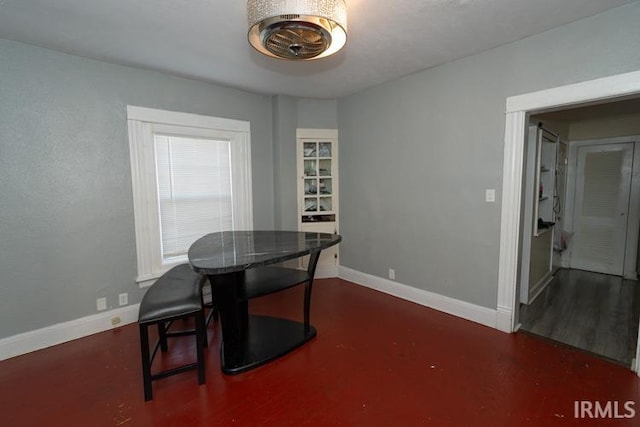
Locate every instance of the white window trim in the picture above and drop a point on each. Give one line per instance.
(141, 123)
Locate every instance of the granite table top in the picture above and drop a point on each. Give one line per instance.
(231, 251)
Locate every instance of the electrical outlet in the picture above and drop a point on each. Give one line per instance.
(490, 195)
(123, 299)
(392, 274)
(101, 304)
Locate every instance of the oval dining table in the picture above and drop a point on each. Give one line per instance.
(240, 266)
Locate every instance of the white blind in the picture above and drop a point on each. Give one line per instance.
(194, 190)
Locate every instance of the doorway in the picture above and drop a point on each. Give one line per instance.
(588, 304)
(518, 108)
(578, 306)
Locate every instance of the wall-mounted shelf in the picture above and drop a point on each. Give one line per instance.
(544, 231)
(545, 179)
(539, 212)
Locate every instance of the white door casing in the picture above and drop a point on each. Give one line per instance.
(517, 107)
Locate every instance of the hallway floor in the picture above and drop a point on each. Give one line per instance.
(591, 311)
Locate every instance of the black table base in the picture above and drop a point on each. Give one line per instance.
(249, 341)
(241, 265)
(268, 338)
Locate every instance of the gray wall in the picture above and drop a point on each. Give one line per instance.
(416, 154)
(285, 122)
(66, 210)
(289, 114)
(317, 113)
(605, 127)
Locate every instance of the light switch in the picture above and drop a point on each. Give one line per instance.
(490, 195)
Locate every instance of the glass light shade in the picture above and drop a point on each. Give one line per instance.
(297, 29)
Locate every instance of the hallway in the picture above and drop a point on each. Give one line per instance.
(591, 311)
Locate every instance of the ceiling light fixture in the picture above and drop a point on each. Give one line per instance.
(297, 29)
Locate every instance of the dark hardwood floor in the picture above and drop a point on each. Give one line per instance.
(377, 361)
(595, 312)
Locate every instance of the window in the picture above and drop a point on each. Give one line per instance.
(191, 175)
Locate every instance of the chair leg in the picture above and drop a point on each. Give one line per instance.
(146, 363)
(201, 342)
(162, 336)
(205, 338)
(213, 313)
(201, 334)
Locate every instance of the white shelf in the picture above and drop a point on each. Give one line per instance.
(319, 173)
(542, 231)
(546, 152)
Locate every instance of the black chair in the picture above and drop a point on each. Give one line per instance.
(177, 294)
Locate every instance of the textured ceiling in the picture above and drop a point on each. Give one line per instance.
(206, 39)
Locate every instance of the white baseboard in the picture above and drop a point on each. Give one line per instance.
(78, 328)
(475, 313)
(66, 331)
(326, 271)
(539, 287)
(504, 317)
